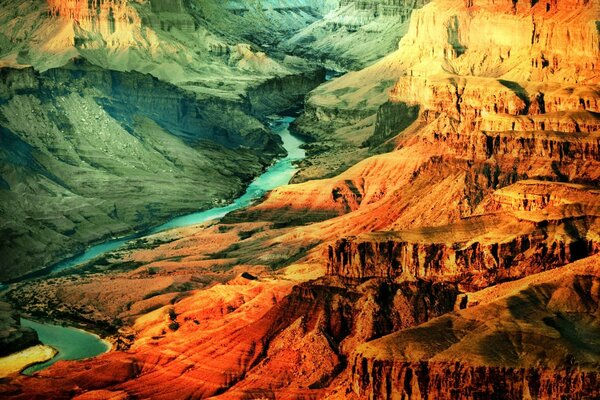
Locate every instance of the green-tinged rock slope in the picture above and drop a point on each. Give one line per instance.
(116, 115)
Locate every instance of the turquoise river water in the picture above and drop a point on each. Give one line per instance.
(75, 344)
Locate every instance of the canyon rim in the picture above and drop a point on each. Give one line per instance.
(300, 199)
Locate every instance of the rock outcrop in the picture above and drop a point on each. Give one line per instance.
(475, 253)
(530, 195)
(282, 94)
(520, 345)
(516, 231)
(526, 42)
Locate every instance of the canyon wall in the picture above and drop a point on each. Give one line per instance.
(355, 33)
(125, 95)
(526, 40)
(465, 355)
(281, 93)
(392, 117)
(470, 261)
(77, 126)
(450, 380)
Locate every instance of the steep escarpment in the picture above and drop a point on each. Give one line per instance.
(531, 195)
(447, 379)
(392, 117)
(127, 95)
(516, 231)
(559, 124)
(281, 93)
(510, 100)
(529, 42)
(205, 48)
(474, 253)
(521, 345)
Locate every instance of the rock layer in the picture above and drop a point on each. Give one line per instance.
(518, 345)
(470, 261)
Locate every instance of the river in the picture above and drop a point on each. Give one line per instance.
(277, 175)
(71, 343)
(75, 344)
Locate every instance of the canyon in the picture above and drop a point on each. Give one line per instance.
(440, 240)
(110, 78)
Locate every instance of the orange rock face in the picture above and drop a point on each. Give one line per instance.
(515, 343)
(103, 16)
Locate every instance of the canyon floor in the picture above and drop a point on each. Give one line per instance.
(440, 240)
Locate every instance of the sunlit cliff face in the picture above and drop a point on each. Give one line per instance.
(104, 16)
(517, 41)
